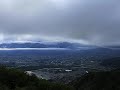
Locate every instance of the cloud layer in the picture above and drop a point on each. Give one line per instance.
(85, 21)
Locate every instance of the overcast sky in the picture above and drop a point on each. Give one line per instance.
(85, 21)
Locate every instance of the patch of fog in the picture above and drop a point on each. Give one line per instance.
(34, 49)
(68, 70)
(29, 73)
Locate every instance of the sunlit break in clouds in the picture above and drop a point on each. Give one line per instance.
(95, 22)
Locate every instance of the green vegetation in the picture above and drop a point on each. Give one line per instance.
(98, 81)
(12, 79)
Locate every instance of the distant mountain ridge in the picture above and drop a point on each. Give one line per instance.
(42, 45)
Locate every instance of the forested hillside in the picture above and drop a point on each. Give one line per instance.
(11, 79)
(98, 81)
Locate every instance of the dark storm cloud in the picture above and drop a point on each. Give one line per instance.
(87, 21)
